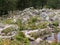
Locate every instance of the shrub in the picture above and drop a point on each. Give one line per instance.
(42, 25)
(55, 23)
(21, 38)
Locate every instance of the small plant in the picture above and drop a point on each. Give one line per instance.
(42, 25)
(34, 34)
(20, 24)
(33, 19)
(55, 23)
(21, 38)
(7, 30)
(8, 21)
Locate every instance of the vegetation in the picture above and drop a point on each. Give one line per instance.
(8, 30)
(31, 24)
(8, 21)
(10, 5)
(7, 5)
(40, 34)
(43, 24)
(20, 37)
(55, 23)
(55, 43)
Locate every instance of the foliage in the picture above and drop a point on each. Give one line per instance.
(7, 30)
(56, 30)
(42, 25)
(31, 23)
(20, 24)
(21, 38)
(7, 5)
(34, 34)
(53, 4)
(55, 23)
(55, 43)
(10, 5)
(8, 21)
(1, 42)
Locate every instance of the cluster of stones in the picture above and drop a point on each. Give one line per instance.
(45, 14)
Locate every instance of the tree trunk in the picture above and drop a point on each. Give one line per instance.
(55, 38)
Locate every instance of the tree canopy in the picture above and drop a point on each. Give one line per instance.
(7, 5)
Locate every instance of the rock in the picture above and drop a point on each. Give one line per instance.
(38, 40)
(46, 14)
(45, 38)
(49, 41)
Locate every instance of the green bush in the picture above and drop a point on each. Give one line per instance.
(55, 23)
(21, 38)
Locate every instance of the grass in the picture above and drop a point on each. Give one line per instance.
(7, 30)
(8, 21)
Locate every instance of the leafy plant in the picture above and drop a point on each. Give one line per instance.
(21, 38)
(55, 23)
